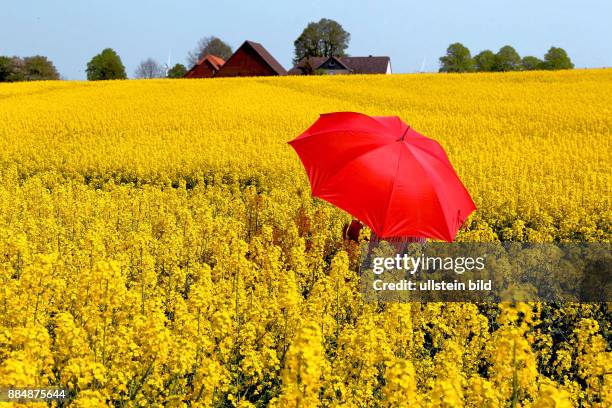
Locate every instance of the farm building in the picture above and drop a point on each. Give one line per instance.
(342, 65)
(206, 67)
(251, 59)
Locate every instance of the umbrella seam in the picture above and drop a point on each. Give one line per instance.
(435, 195)
(355, 158)
(448, 165)
(349, 162)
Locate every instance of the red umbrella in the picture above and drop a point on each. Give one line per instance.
(393, 179)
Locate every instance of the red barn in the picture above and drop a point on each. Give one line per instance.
(206, 67)
(251, 59)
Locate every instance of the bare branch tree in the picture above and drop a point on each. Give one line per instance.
(149, 69)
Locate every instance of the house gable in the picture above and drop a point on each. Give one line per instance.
(206, 67)
(251, 59)
(343, 65)
(333, 64)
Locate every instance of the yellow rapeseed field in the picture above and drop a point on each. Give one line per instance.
(159, 245)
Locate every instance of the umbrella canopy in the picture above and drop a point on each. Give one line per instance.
(393, 179)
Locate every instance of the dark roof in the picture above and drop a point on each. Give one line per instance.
(337, 60)
(357, 65)
(367, 65)
(314, 62)
(267, 57)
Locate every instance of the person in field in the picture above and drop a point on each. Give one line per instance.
(351, 233)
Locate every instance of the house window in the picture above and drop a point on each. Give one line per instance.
(332, 63)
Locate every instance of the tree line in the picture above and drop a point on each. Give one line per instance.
(459, 59)
(323, 38)
(35, 68)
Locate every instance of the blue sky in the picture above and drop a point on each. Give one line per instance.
(70, 32)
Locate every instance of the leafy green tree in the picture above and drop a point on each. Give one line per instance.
(36, 68)
(17, 70)
(507, 59)
(6, 68)
(39, 68)
(457, 59)
(485, 61)
(324, 38)
(106, 65)
(209, 45)
(557, 58)
(177, 71)
(531, 63)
